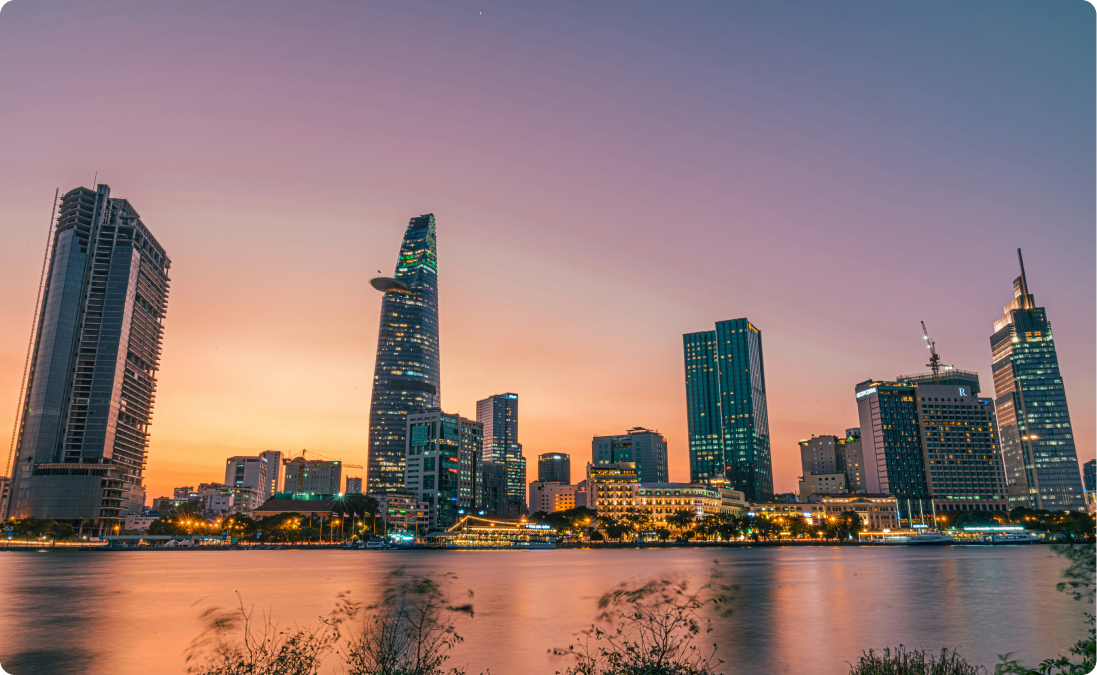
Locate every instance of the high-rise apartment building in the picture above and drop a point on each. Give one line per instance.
(84, 428)
(1089, 475)
(1033, 418)
(354, 485)
(440, 463)
(406, 377)
(499, 416)
(823, 467)
(554, 467)
(275, 475)
(851, 456)
(726, 409)
(313, 476)
(645, 448)
(248, 472)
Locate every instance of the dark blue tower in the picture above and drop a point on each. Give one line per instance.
(406, 375)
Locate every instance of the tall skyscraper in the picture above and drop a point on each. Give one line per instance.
(554, 467)
(84, 432)
(726, 409)
(1033, 418)
(499, 415)
(645, 448)
(406, 375)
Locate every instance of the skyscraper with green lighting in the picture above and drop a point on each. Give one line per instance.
(726, 409)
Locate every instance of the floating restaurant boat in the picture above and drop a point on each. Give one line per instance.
(478, 532)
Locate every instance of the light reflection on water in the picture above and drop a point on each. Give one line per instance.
(797, 610)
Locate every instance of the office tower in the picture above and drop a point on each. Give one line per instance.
(491, 489)
(726, 409)
(934, 446)
(248, 472)
(5, 484)
(84, 428)
(440, 463)
(1033, 418)
(851, 456)
(645, 448)
(406, 375)
(499, 416)
(354, 485)
(554, 467)
(1089, 473)
(313, 476)
(274, 462)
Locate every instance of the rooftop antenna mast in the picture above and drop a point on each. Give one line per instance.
(934, 358)
(1024, 282)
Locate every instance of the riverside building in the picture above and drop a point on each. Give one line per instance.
(1031, 404)
(313, 476)
(498, 415)
(726, 409)
(440, 463)
(84, 429)
(406, 377)
(645, 448)
(549, 496)
(262, 472)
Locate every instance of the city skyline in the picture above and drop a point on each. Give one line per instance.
(268, 341)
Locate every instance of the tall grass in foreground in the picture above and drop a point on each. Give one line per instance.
(901, 661)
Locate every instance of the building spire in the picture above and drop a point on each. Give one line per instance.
(1024, 282)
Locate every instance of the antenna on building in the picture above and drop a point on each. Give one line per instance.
(1024, 282)
(21, 406)
(934, 358)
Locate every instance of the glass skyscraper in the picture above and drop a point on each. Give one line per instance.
(726, 409)
(84, 432)
(499, 415)
(1033, 418)
(406, 374)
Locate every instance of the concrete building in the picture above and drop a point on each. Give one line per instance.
(613, 488)
(184, 493)
(877, 512)
(554, 467)
(645, 448)
(813, 485)
(249, 472)
(440, 464)
(5, 485)
(354, 485)
(1031, 406)
(549, 496)
(498, 415)
(852, 457)
(727, 413)
(313, 476)
(582, 495)
(83, 432)
(407, 372)
(137, 523)
(303, 504)
(665, 499)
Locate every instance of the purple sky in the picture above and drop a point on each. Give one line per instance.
(606, 176)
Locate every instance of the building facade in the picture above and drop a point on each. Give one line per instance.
(892, 440)
(498, 414)
(612, 488)
(491, 489)
(726, 408)
(851, 456)
(645, 448)
(554, 467)
(1031, 404)
(406, 377)
(440, 463)
(312, 476)
(247, 472)
(84, 424)
(664, 499)
(403, 512)
(354, 485)
(877, 512)
(550, 496)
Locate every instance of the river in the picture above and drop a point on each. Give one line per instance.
(797, 609)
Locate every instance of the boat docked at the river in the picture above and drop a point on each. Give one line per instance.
(920, 539)
(1008, 538)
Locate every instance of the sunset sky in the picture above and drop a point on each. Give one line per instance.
(605, 176)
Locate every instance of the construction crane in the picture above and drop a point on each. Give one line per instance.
(934, 358)
(319, 456)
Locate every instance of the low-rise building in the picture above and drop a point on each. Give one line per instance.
(812, 484)
(664, 499)
(810, 511)
(403, 512)
(289, 502)
(549, 496)
(135, 523)
(878, 512)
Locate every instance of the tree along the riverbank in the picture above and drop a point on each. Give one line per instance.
(32, 528)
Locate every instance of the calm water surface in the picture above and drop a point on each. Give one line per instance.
(798, 610)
